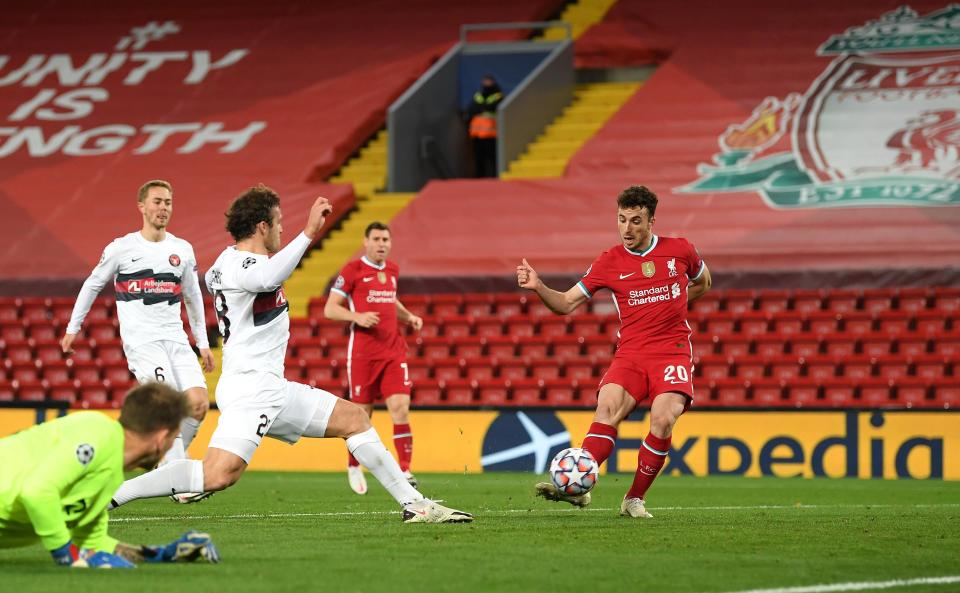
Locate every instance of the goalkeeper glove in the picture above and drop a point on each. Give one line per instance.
(96, 559)
(66, 554)
(191, 546)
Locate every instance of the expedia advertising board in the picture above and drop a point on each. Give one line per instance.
(861, 444)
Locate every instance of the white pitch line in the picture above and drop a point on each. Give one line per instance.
(490, 512)
(860, 586)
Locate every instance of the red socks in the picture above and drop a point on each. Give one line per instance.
(403, 443)
(600, 440)
(351, 460)
(653, 454)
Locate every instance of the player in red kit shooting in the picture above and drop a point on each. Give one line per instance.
(365, 294)
(652, 279)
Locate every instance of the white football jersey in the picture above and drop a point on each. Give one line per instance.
(150, 278)
(252, 315)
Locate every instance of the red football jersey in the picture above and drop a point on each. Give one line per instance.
(650, 291)
(369, 287)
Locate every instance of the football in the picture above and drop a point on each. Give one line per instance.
(574, 471)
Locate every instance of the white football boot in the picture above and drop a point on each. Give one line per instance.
(190, 497)
(428, 511)
(633, 507)
(550, 492)
(411, 479)
(358, 483)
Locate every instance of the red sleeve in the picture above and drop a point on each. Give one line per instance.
(694, 262)
(345, 281)
(595, 278)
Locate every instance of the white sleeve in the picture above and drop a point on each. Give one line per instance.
(102, 273)
(193, 299)
(269, 275)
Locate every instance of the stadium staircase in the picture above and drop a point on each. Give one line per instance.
(592, 106)
(581, 16)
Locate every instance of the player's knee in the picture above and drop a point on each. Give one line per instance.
(198, 403)
(662, 421)
(357, 421)
(219, 478)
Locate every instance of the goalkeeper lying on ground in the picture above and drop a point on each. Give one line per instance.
(57, 478)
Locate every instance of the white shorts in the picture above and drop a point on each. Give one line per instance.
(254, 405)
(166, 362)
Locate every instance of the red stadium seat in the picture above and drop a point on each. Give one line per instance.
(598, 346)
(560, 393)
(737, 346)
(721, 324)
(87, 370)
(857, 367)
(447, 369)
(520, 325)
(770, 345)
(324, 369)
(786, 367)
(14, 330)
(913, 300)
(839, 393)
(102, 330)
(446, 305)
(773, 302)
(418, 370)
(546, 369)
(478, 305)
(893, 322)
(876, 344)
(554, 326)
(805, 345)
(892, 367)
(767, 393)
(481, 368)
(570, 346)
(875, 393)
(738, 301)
(337, 348)
(509, 305)
(337, 387)
(877, 300)
(914, 393)
(308, 348)
(823, 322)
(839, 344)
(18, 350)
(435, 347)
(754, 323)
(455, 326)
(707, 304)
(947, 343)
(35, 311)
(587, 324)
(913, 344)
(946, 299)
(535, 347)
(48, 350)
(427, 393)
(587, 394)
(63, 390)
(930, 321)
(945, 395)
(707, 345)
(527, 392)
(750, 368)
(44, 331)
(820, 368)
(97, 394)
(857, 322)
(117, 373)
(493, 392)
(330, 329)
(730, 393)
(803, 394)
(513, 369)
(579, 369)
(535, 308)
(489, 327)
(8, 390)
(9, 309)
(502, 347)
(788, 324)
(932, 367)
(56, 371)
(432, 326)
(713, 368)
(807, 301)
(460, 392)
(842, 301)
(417, 303)
(468, 346)
(31, 390)
(24, 370)
(315, 308)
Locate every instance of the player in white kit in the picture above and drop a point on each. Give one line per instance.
(152, 272)
(254, 398)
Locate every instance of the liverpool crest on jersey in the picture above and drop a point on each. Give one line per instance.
(879, 126)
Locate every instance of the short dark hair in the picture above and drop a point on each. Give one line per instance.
(151, 407)
(638, 196)
(249, 209)
(145, 188)
(375, 226)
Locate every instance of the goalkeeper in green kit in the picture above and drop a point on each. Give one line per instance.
(57, 478)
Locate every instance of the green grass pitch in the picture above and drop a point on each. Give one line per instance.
(302, 532)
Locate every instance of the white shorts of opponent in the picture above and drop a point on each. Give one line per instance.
(254, 405)
(167, 362)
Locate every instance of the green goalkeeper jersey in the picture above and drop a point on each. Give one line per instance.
(56, 480)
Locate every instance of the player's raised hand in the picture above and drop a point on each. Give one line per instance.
(206, 358)
(526, 276)
(367, 319)
(318, 215)
(416, 322)
(66, 343)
